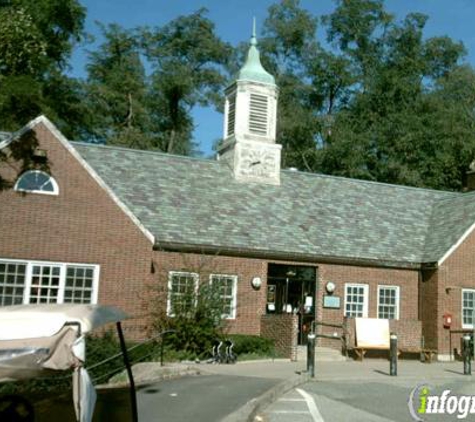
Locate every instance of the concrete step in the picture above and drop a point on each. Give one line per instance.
(322, 354)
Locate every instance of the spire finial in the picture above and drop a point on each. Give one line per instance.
(253, 37)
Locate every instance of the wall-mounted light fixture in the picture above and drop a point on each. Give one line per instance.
(330, 287)
(256, 283)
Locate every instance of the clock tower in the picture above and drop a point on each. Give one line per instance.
(250, 123)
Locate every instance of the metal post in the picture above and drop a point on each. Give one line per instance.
(161, 349)
(421, 356)
(467, 362)
(393, 354)
(311, 354)
(133, 397)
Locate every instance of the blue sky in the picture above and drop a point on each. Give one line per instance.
(233, 19)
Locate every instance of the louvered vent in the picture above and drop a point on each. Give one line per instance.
(231, 115)
(258, 114)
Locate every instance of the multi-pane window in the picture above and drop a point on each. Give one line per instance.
(356, 300)
(468, 308)
(38, 182)
(12, 283)
(23, 282)
(44, 286)
(388, 302)
(258, 114)
(182, 291)
(79, 284)
(226, 285)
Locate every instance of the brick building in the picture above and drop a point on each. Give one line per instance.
(106, 224)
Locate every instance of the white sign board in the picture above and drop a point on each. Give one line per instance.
(372, 333)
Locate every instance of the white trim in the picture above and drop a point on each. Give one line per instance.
(42, 192)
(452, 249)
(234, 293)
(397, 288)
(169, 286)
(466, 326)
(365, 296)
(62, 286)
(62, 139)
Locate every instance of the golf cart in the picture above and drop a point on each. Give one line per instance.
(37, 340)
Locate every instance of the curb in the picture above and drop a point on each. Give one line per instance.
(249, 411)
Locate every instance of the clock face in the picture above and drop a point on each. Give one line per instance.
(258, 162)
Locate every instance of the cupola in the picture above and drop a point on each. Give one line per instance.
(250, 122)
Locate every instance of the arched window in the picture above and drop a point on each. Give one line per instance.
(38, 182)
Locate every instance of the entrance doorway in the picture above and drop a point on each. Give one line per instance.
(291, 289)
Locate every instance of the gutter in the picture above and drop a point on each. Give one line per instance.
(281, 256)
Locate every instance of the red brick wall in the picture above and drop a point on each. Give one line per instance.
(456, 273)
(283, 329)
(407, 280)
(429, 293)
(250, 302)
(80, 225)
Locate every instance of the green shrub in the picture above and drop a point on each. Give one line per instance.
(252, 345)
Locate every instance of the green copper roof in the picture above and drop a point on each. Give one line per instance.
(252, 69)
(198, 202)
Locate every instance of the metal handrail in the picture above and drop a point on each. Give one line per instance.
(102, 362)
(343, 338)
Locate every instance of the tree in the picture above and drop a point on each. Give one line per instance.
(194, 308)
(377, 102)
(36, 39)
(188, 61)
(117, 91)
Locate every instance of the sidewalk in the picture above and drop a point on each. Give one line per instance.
(337, 371)
(293, 374)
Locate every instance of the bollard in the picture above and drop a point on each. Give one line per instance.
(311, 354)
(393, 354)
(467, 361)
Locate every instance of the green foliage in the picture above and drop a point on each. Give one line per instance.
(379, 103)
(197, 321)
(187, 59)
(248, 344)
(116, 91)
(36, 39)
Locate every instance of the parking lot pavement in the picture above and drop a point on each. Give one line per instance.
(355, 392)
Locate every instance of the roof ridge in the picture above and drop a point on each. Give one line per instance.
(306, 174)
(142, 151)
(374, 182)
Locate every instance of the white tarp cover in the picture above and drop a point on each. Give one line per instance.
(372, 333)
(35, 339)
(84, 395)
(33, 321)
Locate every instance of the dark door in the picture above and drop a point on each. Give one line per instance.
(292, 289)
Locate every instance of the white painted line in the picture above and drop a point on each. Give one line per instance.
(312, 406)
(291, 400)
(291, 412)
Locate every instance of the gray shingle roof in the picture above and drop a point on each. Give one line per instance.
(197, 202)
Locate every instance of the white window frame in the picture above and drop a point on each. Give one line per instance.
(62, 284)
(42, 192)
(397, 296)
(169, 293)
(365, 296)
(462, 308)
(234, 293)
